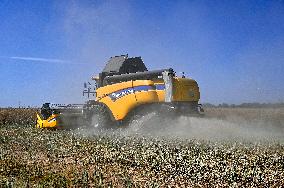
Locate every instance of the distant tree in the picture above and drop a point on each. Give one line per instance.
(209, 105)
(223, 105)
(233, 106)
(245, 105)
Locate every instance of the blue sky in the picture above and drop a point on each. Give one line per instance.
(234, 49)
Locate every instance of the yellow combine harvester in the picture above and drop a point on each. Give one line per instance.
(123, 89)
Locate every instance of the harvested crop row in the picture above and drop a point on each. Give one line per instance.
(60, 158)
(33, 157)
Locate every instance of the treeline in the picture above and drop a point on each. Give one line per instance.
(21, 107)
(245, 105)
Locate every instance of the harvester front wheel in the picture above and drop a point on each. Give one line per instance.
(100, 117)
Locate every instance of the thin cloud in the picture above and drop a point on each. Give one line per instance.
(40, 59)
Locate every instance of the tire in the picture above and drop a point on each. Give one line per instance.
(99, 117)
(151, 119)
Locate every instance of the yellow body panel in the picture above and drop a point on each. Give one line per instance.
(50, 122)
(121, 106)
(102, 91)
(160, 93)
(185, 90)
(122, 97)
(147, 95)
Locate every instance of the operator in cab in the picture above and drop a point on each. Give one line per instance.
(46, 111)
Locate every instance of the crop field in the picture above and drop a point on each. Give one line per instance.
(229, 147)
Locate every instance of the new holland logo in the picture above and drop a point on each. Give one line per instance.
(118, 94)
(143, 88)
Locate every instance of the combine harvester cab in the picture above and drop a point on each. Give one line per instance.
(126, 88)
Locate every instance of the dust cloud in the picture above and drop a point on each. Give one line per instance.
(211, 129)
(235, 129)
